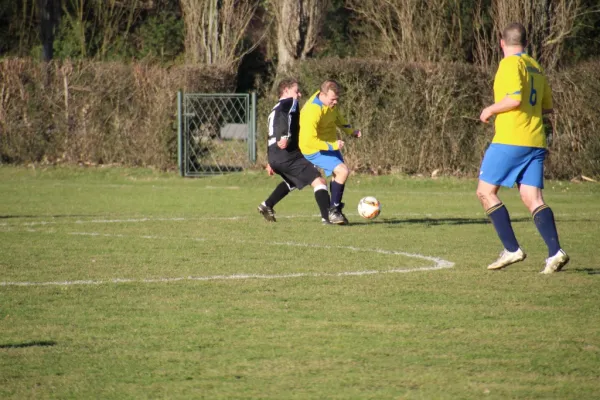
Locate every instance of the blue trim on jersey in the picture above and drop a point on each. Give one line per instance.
(318, 101)
(327, 160)
(505, 165)
(517, 92)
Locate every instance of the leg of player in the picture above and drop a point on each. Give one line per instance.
(322, 198)
(266, 207)
(332, 163)
(497, 212)
(543, 217)
(338, 183)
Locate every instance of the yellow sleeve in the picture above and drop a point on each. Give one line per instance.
(341, 122)
(510, 73)
(309, 139)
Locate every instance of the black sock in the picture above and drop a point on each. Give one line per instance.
(337, 191)
(543, 217)
(501, 220)
(279, 193)
(322, 197)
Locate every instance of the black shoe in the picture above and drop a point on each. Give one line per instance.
(325, 221)
(267, 212)
(336, 217)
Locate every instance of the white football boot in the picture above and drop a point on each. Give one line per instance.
(555, 263)
(506, 258)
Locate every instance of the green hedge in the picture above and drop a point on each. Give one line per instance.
(415, 118)
(95, 112)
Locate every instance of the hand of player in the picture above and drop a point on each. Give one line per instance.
(340, 144)
(486, 114)
(283, 142)
(357, 133)
(269, 170)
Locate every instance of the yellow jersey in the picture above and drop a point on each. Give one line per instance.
(318, 126)
(521, 78)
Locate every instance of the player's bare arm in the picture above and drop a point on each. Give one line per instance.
(506, 104)
(269, 170)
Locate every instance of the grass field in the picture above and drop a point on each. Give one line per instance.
(123, 283)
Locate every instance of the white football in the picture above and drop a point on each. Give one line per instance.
(369, 207)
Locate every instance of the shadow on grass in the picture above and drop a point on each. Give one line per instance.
(35, 343)
(441, 221)
(589, 271)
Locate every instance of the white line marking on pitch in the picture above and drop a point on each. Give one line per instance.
(226, 277)
(438, 265)
(119, 235)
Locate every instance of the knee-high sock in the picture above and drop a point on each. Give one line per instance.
(337, 191)
(543, 217)
(501, 220)
(279, 193)
(322, 198)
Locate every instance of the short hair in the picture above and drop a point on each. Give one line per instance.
(332, 85)
(286, 83)
(515, 35)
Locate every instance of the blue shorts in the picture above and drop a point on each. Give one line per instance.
(505, 165)
(327, 160)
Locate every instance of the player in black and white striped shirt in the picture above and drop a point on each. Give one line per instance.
(285, 158)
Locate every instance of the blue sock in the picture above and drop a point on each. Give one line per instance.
(337, 191)
(544, 221)
(501, 220)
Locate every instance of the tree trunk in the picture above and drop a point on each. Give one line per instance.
(299, 23)
(49, 18)
(216, 30)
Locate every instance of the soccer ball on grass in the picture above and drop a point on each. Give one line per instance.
(369, 207)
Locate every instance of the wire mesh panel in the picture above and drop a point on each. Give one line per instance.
(217, 133)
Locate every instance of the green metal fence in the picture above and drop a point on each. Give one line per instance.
(216, 132)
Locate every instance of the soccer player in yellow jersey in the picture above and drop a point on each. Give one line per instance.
(319, 120)
(517, 152)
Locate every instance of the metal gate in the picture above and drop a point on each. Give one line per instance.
(216, 132)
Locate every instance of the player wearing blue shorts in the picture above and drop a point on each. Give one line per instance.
(521, 97)
(319, 120)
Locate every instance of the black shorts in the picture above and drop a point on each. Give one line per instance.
(297, 171)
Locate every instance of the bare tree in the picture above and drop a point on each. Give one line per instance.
(215, 30)
(100, 26)
(412, 30)
(549, 24)
(116, 19)
(299, 23)
(485, 47)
